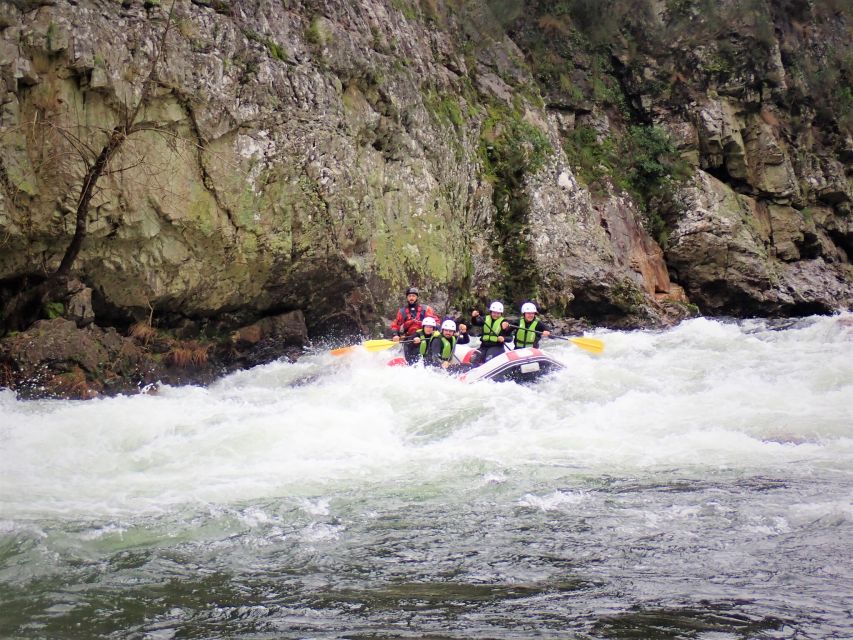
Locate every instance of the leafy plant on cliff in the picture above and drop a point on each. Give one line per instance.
(655, 170)
(510, 150)
(830, 84)
(54, 310)
(653, 159)
(642, 161)
(274, 48)
(317, 33)
(446, 109)
(593, 159)
(404, 7)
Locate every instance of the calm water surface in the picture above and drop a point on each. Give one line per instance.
(692, 483)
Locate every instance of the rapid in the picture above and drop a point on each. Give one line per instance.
(695, 482)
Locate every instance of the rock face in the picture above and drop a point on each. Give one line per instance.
(320, 157)
(742, 256)
(57, 358)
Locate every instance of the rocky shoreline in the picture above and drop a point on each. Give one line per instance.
(72, 357)
(56, 358)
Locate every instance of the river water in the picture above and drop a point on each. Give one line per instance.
(690, 483)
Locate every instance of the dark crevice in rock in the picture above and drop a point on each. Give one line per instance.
(199, 144)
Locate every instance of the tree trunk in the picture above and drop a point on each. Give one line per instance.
(26, 306)
(117, 138)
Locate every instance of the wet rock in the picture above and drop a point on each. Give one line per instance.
(270, 338)
(78, 306)
(288, 328)
(55, 357)
(722, 255)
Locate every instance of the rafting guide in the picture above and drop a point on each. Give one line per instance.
(409, 321)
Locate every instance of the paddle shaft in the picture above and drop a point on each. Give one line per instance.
(550, 335)
(593, 345)
(371, 345)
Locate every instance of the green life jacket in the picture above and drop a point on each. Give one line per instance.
(447, 347)
(491, 329)
(425, 340)
(525, 336)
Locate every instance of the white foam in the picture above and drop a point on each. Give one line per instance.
(704, 395)
(554, 501)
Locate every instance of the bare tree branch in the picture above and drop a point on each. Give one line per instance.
(117, 138)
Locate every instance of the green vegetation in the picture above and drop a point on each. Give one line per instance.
(510, 146)
(403, 6)
(317, 33)
(830, 86)
(643, 161)
(446, 109)
(628, 297)
(50, 35)
(592, 158)
(655, 171)
(654, 160)
(275, 50)
(53, 310)
(510, 150)
(432, 11)
(590, 20)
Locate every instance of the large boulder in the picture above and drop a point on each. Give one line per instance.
(736, 257)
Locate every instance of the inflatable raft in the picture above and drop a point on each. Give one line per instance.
(519, 365)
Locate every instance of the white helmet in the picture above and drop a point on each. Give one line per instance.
(496, 306)
(429, 321)
(528, 307)
(448, 325)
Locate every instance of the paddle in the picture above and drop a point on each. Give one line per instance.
(593, 345)
(369, 345)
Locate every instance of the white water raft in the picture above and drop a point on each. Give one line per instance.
(519, 365)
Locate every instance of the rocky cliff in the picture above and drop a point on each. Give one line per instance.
(319, 155)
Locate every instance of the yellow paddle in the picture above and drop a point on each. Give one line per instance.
(593, 345)
(369, 345)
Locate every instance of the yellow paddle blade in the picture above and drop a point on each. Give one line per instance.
(370, 345)
(342, 351)
(378, 345)
(593, 345)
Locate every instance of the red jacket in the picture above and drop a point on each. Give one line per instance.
(409, 319)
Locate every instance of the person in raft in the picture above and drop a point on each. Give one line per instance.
(408, 321)
(440, 352)
(424, 337)
(462, 336)
(530, 328)
(496, 333)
